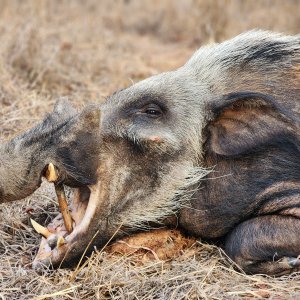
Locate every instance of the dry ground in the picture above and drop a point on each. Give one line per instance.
(86, 50)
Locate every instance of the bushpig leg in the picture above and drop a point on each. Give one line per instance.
(267, 244)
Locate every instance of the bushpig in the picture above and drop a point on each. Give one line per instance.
(211, 148)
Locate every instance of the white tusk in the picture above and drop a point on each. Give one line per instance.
(51, 174)
(40, 229)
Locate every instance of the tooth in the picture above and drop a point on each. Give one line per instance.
(40, 229)
(60, 242)
(63, 206)
(51, 174)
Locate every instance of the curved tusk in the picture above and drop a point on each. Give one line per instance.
(51, 174)
(63, 206)
(40, 229)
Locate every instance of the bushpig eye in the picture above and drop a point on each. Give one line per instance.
(153, 111)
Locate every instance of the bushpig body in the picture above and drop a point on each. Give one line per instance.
(211, 148)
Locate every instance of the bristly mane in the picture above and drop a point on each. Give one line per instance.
(253, 48)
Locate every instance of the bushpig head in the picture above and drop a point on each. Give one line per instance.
(163, 138)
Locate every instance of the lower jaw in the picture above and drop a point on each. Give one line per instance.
(56, 238)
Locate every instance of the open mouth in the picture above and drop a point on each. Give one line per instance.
(66, 229)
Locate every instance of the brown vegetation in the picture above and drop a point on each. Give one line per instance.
(86, 50)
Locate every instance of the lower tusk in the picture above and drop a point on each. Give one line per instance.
(63, 206)
(51, 174)
(40, 229)
(60, 242)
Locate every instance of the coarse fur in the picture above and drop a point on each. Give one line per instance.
(203, 148)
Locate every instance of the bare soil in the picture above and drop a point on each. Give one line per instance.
(86, 50)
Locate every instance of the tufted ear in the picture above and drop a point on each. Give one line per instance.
(245, 121)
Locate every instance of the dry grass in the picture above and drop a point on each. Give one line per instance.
(86, 50)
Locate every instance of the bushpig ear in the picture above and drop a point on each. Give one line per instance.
(245, 121)
(63, 109)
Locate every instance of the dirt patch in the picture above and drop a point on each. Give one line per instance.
(86, 50)
(157, 245)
